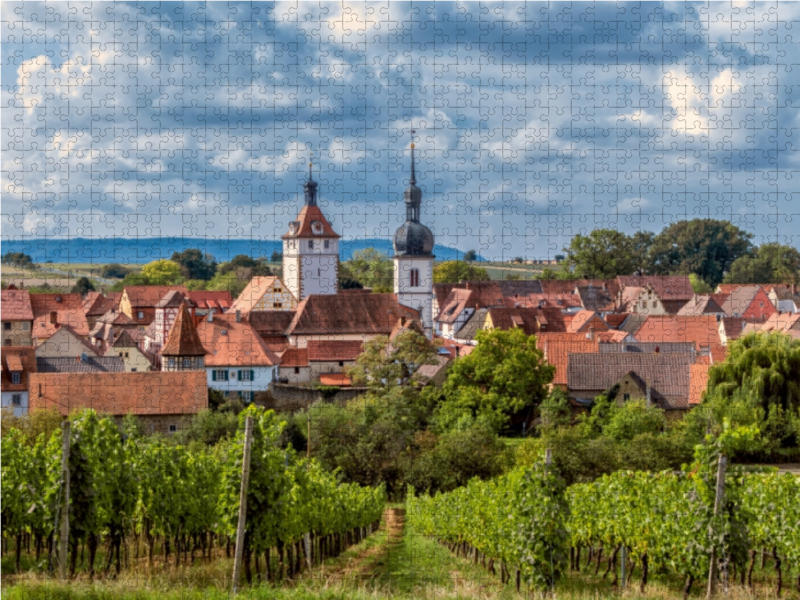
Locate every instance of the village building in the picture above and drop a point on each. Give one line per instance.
(654, 295)
(18, 362)
(749, 302)
(17, 318)
(786, 298)
(204, 301)
(183, 349)
(264, 294)
(126, 348)
(109, 327)
(51, 311)
(413, 257)
(702, 331)
(162, 400)
(311, 250)
(139, 302)
(731, 328)
(294, 366)
(330, 357)
(65, 343)
(272, 327)
(238, 362)
(702, 304)
(660, 379)
(95, 305)
(166, 311)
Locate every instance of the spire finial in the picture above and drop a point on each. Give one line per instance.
(413, 179)
(310, 160)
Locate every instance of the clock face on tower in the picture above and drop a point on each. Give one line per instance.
(316, 228)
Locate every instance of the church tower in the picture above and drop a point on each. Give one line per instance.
(311, 250)
(413, 257)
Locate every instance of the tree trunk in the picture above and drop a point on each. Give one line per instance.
(599, 558)
(91, 542)
(687, 589)
(267, 559)
(18, 557)
(578, 558)
(645, 567)
(777, 569)
(612, 561)
(73, 558)
(248, 571)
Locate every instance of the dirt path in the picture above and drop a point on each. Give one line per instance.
(368, 562)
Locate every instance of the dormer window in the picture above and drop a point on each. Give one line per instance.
(16, 377)
(316, 228)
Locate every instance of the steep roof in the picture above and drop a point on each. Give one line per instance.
(16, 305)
(583, 320)
(253, 293)
(270, 322)
(202, 299)
(124, 340)
(596, 298)
(667, 374)
(172, 299)
(96, 304)
(781, 322)
(558, 346)
(734, 327)
(403, 325)
(74, 339)
(650, 347)
(374, 314)
(632, 323)
(233, 344)
(567, 286)
(152, 393)
(520, 287)
(67, 309)
(307, 216)
(92, 364)
(702, 330)
(698, 382)
(332, 351)
(530, 320)
(454, 305)
(294, 357)
(740, 298)
(471, 328)
(148, 296)
(667, 287)
(16, 359)
(611, 336)
(701, 304)
(182, 339)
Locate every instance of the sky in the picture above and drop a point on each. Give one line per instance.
(534, 121)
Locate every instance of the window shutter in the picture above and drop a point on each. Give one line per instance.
(226, 374)
(239, 375)
(252, 378)
(214, 375)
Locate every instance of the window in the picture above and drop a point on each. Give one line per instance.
(187, 362)
(200, 361)
(140, 315)
(133, 370)
(341, 363)
(246, 375)
(297, 370)
(173, 428)
(413, 278)
(655, 303)
(310, 244)
(16, 377)
(219, 375)
(327, 244)
(26, 326)
(277, 305)
(127, 355)
(278, 290)
(761, 305)
(7, 326)
(171, 362)
(626, 397)
(16, 399)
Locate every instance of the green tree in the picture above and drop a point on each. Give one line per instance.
(114, 271)
(772, 263)
(634, 418)
(470, 255)
(162, 272)
(83, 286)
(698, 285)
(455, 271)
(503, 375)
(603, 254)
(194, 264)
(233, 281)
(277, 256)
(705, 247)
(384, 365)
(19, 260)
(370, 268)
(129, 280)
(559, 258)
(248, 266)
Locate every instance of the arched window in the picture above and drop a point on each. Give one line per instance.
(414, 277)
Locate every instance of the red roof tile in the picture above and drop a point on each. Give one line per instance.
(348, 313)
(148, 296)
(233, 344)
(667, 287)
(152, 393)
(17, 359)
(332, 351)
(309, 215)
(183, 339)
(50, 311)
(294, 357)
(16, 305)
(339, 379)
(558, 346)
(698, 382)
(702, 330)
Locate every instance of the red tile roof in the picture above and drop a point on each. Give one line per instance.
(96, 304)
(152, 393)
(309, 215)
(233, 344)
(148, 296)
(702, 330)
(183, 339)
(698, 382)
(374, 314)
(16, 305)
(294, 357)
(202, 299)
(20, 359)
(339, 379)
(270, 322)
(614, 320)
(701, 304)
(583, 320)
(65, 309)
(558, 346)
(667, 288)
(332, 351)
(276, 343)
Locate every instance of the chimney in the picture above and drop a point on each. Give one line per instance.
(238, 316)
(590, 335)
(53, 317)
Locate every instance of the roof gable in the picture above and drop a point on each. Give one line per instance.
(303, 225)
(183, 339)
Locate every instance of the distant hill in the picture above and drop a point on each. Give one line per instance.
(144, 250)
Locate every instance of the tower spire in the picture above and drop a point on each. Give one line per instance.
(413, 180)
(310, 187)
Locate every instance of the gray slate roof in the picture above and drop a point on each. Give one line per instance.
(92, 364)
(649, 347)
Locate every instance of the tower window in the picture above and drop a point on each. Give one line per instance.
(310, 244)
(413, 277)
(327, 244)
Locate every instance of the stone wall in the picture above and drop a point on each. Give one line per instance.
(287, 397)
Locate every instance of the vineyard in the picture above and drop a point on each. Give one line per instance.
(528, 523)
(139, 497)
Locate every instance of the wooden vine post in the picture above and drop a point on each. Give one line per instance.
(718, 499)
(248, 444)
(64, 539)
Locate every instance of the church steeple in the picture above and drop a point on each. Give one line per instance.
(412, 194)
(310, 188)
